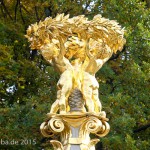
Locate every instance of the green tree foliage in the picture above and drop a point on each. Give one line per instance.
(28, 82)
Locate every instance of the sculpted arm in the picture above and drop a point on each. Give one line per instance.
(94, 63)
(62, 48)
(60, 62)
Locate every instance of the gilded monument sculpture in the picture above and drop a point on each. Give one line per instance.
(77, 48)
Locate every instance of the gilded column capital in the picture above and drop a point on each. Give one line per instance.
(66, 124)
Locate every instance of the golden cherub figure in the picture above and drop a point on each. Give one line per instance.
(77, 48)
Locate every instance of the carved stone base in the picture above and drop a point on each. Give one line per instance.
(74, 129)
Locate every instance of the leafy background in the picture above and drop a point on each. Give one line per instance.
(28, 82)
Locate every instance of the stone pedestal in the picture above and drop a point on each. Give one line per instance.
(74, 129)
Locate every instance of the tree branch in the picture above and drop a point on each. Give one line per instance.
(5, 8)
(25, 9)
(21, 13)
(33, 54)
(148, 3)
(16, 8)
(4, 15)
(36, 13)
(142, 128)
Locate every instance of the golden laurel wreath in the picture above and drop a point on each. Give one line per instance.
(105, 36)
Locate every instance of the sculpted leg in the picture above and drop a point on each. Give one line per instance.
(64, 93)
(97, 103)
(62, 105)
(62, 99)
(64, 87)
(87, 93)
(55, 107)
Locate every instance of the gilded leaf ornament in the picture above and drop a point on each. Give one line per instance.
(104, 34)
